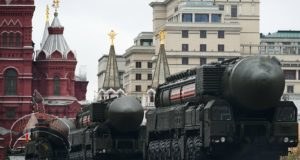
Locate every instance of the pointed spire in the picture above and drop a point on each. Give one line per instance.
(47, 13)
(46, 33)
(162, 70)
(55, 40)
(55, 6)
(111, 79)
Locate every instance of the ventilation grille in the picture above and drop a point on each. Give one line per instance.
(209, 79)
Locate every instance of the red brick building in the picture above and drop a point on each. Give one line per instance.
(51, 71)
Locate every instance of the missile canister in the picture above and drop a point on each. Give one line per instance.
(255, 83)
(125, 114)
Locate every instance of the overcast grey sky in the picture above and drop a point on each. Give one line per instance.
(88, 22)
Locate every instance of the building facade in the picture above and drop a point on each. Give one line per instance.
(15, 64)
(285, 46)
(51, 71)
(138, 65)
(199, 32)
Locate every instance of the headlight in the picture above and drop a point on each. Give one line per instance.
(286, 139)
(223, 139)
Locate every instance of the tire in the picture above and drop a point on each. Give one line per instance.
(198, 149)
(175, 151)
(189, 149)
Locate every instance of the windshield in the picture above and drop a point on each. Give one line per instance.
(286, 114)
(221, 113)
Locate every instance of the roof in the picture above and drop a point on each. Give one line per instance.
(55, 22)
(46, 34)
(55, 40)
(284, 34)
(159, 2)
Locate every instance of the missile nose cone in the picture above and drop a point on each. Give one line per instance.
(125, 114)
(257, 82)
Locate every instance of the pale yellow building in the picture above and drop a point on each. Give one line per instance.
(204, 31)
(138, 65)
(285, 45)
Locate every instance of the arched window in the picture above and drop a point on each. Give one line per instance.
(4, 39)
(18, 40)
(120, 94)
(151, 97)
(56, 86)
(10, 84)
(11, 40)
(110, 95)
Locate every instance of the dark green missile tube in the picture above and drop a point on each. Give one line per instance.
(125, 114)
(255, 83)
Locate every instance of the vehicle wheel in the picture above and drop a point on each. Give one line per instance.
(176, 153)
(151, 151)
(168, 149)
(189, 149)
(198, 152)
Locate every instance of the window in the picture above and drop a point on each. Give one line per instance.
(56, 86)
(127, 62)
(176, 9)
(202, 47)
(185, 60)
(10, 78)
(149, 64)
(221, 7)
(221, 34)
(290, 74)
(216, 18)
(121, 76)
(10, 113)
(185, 34)
(138, 88)
(290, 89)
(120, 94)
(151, 96)
(221, 59)
(138, 64)
(146, 42)
(233, 10)
(201, 18)
(202, 34)
(149, 77)
(187, 17)
(202, 61)
(4, 39)
(221, 113)
(18, 40)
(138, 76)
(221, 48)
(11, 40)
(185, 47)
